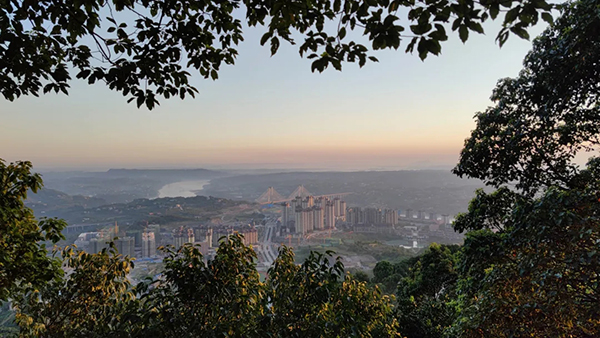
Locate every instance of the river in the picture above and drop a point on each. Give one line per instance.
(182, 189)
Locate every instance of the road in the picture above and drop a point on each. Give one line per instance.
(268, 251)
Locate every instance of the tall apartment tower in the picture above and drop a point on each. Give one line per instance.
(297, 202)
(322, 202)
(182, 236)
(137, 237)
(307, 218)
(373, 216)
(299, 219)
(204, 235)
(337, 204)
(125, 246)
(97, 244)
(318, 220)
(330, 215)
(343, 210)
(155, 228)
(209, 237)
(355, 215)
(311, 201)
(391, 216)
(285, 217)
(148, 244)
(351, 215)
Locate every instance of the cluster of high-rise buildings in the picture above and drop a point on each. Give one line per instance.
(372, 216)
(209, 236)
(127, 243)
(310, 213)
(148, 244)
(144, 243)
(183, 235)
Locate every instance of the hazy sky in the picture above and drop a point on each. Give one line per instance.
(273, 112)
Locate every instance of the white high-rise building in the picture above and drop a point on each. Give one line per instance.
(285, 217)
(319, 221)
(337, 204)
(148, 244)
(308, 220)
(297, 202)
(329, 215)
(391, 216)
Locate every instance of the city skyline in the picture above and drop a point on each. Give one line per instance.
(398, 113)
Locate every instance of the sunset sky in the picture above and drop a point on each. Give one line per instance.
(273, 112)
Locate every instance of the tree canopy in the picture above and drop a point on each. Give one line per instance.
(23, 256)
(146, 48)
(547, 115)
(530, 267)
(194, 297)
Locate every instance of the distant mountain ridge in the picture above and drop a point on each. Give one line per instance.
(49, 200)
(206, 173)
(124, 185)
(92, 210)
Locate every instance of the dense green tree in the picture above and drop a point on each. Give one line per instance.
(382, 270)
(425, 296)
(23, 257)
(388, 275)
(94, 299)
(541, 276)
(547, 115)
(537, 273)
(222, 297)
(361, 276)
(144, 48)
(315, 299)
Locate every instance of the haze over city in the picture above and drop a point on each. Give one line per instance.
(272, 112)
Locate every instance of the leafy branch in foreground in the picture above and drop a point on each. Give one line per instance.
(23, 256)
(221, 297)
(146, 48)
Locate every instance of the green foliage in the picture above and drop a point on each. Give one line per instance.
(361, 276)
(426, 295)
(193, 298)
(93, 300)
(382, 270)
(222, 297)
(541, 276)
(487, 211)
(546, 115)
(315, 299)
(149, 56)
(387, 275)
(537, 274)
(23, 259)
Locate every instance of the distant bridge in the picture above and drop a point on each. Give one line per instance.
(271, 196)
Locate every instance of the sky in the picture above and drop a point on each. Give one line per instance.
(272, 112)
